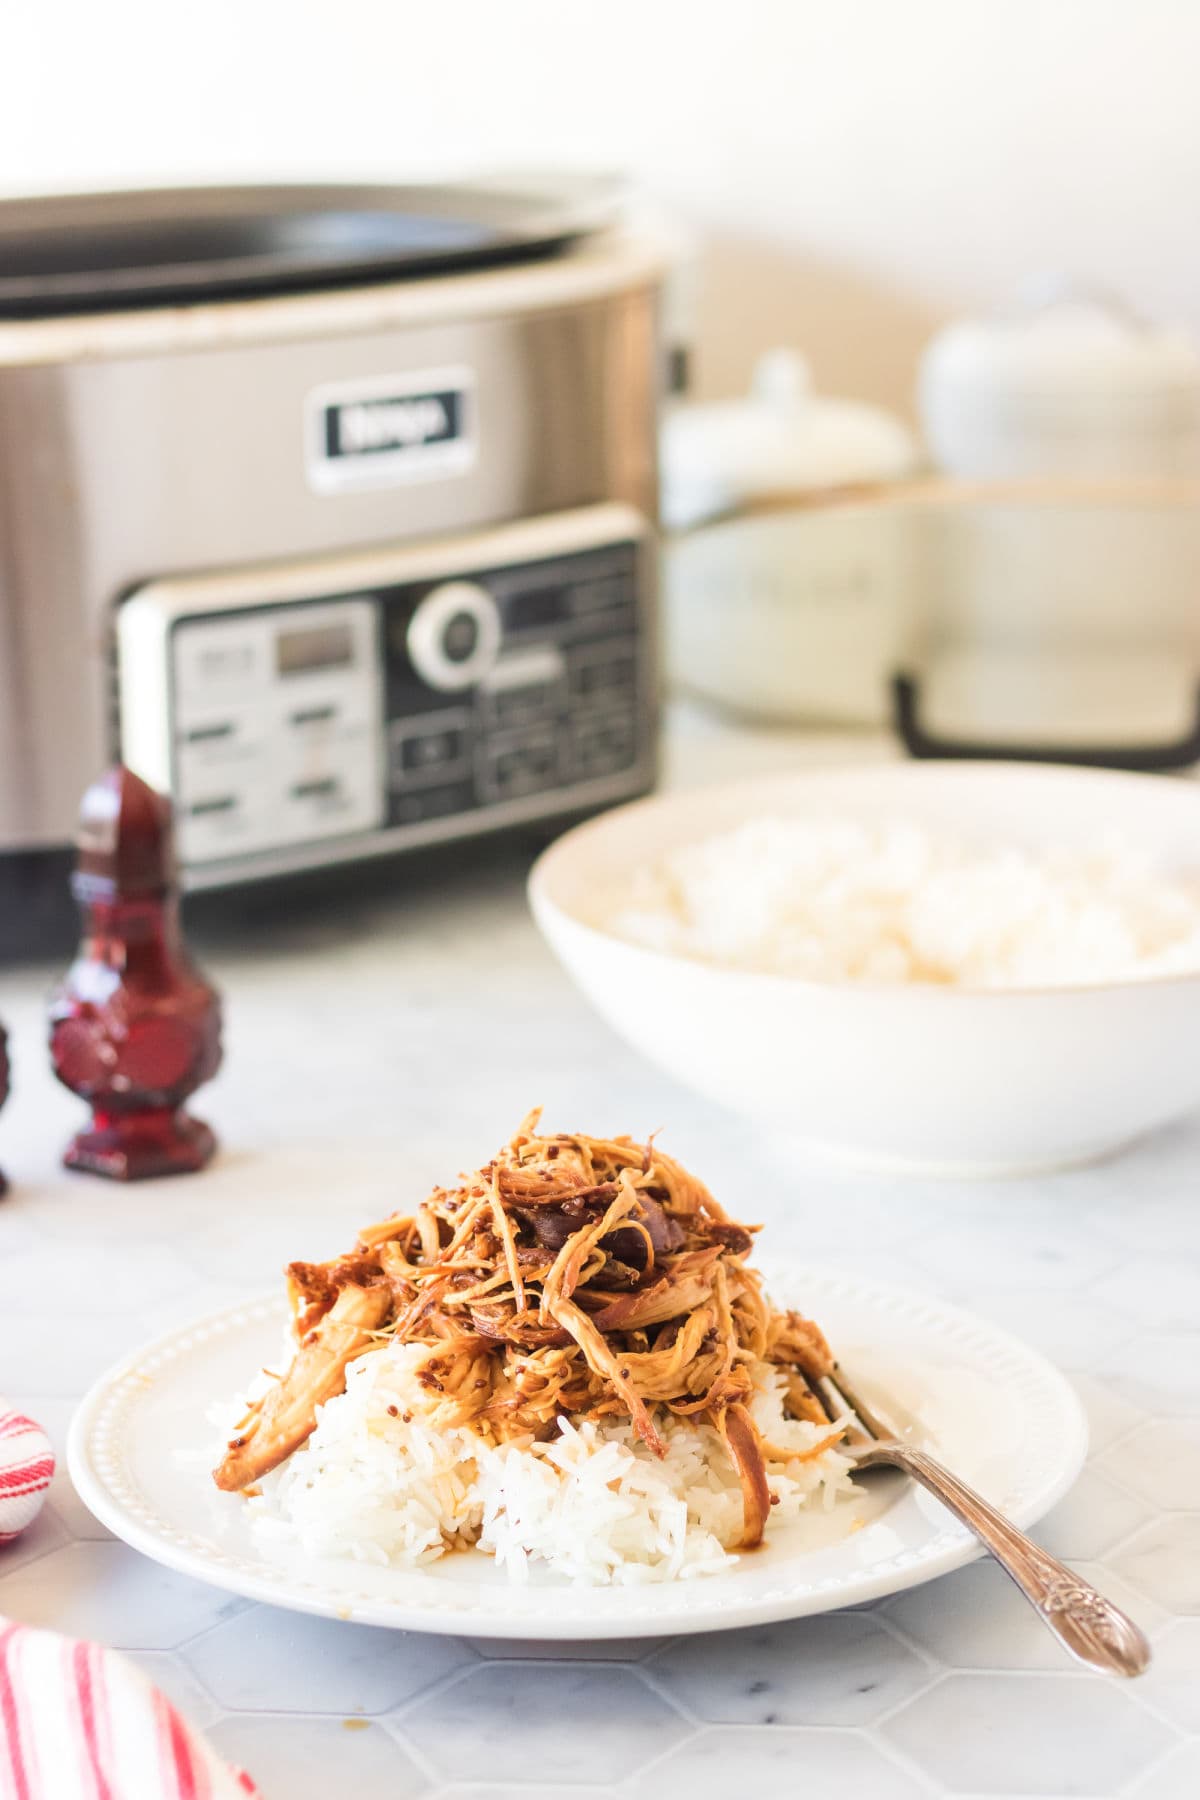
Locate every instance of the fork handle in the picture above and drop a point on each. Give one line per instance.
(1088, 1625)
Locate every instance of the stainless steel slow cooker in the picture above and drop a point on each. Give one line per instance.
(331, 510)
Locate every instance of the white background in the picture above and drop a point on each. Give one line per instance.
(856, 170)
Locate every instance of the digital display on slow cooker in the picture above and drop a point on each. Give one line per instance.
(320, 647)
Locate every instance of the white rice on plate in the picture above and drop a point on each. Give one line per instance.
(844, 900)
(379, 1483)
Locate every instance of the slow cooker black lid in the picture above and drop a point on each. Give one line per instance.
(103, 252)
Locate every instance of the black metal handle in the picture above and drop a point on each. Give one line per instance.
(1148, 759)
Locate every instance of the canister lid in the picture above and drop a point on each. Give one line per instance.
(781, 438)
(1067, 379)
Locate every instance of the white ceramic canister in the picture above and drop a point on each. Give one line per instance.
(1064, 381)
(791, 613)
(1067, 621)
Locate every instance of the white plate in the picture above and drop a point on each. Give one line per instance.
(998, 1413)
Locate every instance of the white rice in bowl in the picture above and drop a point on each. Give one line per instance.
(378, 1482)
(831, 899)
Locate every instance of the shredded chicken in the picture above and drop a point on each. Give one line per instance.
(574, 1277)
(288, 1413)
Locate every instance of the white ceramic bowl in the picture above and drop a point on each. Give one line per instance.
(953, 1080)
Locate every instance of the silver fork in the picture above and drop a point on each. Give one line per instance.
(1088, 1625)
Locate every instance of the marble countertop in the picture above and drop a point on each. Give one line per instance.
(375, 1045)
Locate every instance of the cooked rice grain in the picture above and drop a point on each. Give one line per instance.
(848, 901)
(593, 1505)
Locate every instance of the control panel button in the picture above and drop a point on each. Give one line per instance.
(526, 765)
(604, 745)
(431, 749)
(514, 708)
(599, 674)
(526, 686)
(454, 635)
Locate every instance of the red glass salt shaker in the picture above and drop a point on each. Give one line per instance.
(134, 1028)
(4, 1081)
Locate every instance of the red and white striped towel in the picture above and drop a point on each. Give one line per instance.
(78, 1722)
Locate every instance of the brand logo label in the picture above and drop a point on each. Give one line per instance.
(413, 427)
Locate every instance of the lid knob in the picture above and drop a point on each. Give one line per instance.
(782, 379)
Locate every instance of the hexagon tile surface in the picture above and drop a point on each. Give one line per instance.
(108, 1592)
(529, 1722)
(264, 1660)
(949, 1692)
(793, 1674)
(1028, 1734)
(778, 1765)
(319, 1758)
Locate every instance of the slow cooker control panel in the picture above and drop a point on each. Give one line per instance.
(295, 727)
